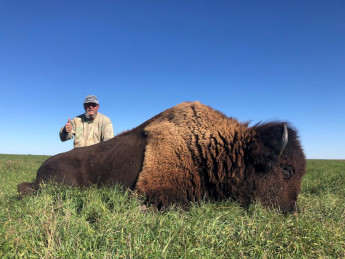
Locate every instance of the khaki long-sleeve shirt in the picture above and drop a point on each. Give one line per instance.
(87, 132)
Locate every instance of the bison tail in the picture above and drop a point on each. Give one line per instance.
(26, 188)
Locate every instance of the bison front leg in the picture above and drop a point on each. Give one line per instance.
(160, 198)
(163, 190)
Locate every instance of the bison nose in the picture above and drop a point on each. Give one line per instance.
(293, 208)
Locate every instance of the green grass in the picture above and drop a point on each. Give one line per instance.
(65, 222)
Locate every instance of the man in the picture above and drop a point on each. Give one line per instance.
(89, 128)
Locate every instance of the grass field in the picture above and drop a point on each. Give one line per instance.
(62, 222)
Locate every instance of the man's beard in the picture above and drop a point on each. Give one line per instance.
(90, 116)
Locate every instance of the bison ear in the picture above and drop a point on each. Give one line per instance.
(273, 135)
(270, 141)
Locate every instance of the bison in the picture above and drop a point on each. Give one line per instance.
(188, 153)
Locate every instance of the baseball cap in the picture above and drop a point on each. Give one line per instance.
(91, 99)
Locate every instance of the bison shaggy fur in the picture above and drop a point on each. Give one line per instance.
(185, 154)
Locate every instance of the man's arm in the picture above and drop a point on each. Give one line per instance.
(107, 131)
(67, 131)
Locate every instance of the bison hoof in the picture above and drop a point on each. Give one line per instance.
(26, 188)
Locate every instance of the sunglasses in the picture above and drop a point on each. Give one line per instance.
(91, 104)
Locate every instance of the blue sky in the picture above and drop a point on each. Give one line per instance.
(252, 60)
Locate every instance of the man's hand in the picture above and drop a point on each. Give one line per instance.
(68, 126)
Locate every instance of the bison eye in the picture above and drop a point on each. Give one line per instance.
(288, 172)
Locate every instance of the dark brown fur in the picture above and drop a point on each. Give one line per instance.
(187, 153)
(116, 161)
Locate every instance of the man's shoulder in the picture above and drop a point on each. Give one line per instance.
(103, 117)
(79, 117)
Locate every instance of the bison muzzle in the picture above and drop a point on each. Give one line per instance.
(188, 153)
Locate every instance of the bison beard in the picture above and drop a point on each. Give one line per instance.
(188, 153)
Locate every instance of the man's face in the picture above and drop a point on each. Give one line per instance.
(91, 110)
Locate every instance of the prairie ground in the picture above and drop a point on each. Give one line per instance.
(65, 222)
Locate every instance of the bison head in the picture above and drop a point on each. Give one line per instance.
(276, 164)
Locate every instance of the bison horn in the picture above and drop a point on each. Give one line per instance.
(284, 140)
